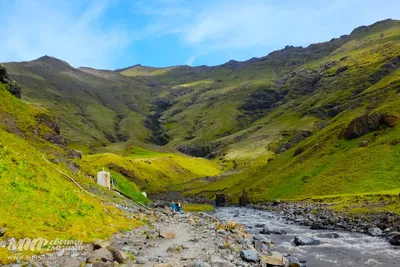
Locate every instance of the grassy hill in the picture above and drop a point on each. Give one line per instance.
(36, 199)
(277, 125)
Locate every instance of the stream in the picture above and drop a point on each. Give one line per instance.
(349, 249)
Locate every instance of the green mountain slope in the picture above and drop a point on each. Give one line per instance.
(36, 199)
(278, 123)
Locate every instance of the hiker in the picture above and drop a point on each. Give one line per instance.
(180, 207)
(173, 207)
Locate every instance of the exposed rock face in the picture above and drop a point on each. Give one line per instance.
(243, 199)
(13, 87)
(368, 123)
(53, 137)
(220, 200)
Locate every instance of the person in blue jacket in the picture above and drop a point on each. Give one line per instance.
(173, 207)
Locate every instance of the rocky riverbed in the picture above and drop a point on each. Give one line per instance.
(319, 216)
(228, 237)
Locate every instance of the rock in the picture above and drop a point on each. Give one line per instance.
(167, 235)
(364, 143)
(276, 202)
(120, 256)
(220, 200)
(243, 199)
(305, 241)
(100, 243)
(318, 226)
(222, 232)
(275, 258)
(198, 263)
(374, 231)
(368, 123)
(2, 232)
(70, 262)
(328, 235)
(13, 87)
(272, 231)
(394, 238)
(162, 265)
(100, 254)
(102, 264)
(250, 255)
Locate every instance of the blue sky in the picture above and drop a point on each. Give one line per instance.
(113, 34)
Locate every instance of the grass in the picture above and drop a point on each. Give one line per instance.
(152, 172)
(36, 200)
(191, 207)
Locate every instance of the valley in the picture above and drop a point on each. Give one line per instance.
(316, 123)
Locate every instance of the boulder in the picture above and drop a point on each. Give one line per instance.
(2, 232)
(318, 226)
(101, 254)
(272, 231)
(394, 238)
(305, 241)
(274, 258)
(120, 256)
(100, 243)
(368, 123)
(251, 255)
(167, 234)
(374, 231)
(162, 265)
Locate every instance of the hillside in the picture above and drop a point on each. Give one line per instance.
(281, 125)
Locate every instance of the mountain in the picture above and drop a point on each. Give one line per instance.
(299, 122)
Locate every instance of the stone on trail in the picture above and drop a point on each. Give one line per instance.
(275, 258)
(100, 243)
(120, 256)
(100, 254)
(250, 255)
(70, 262)
(198, 263)
(305, 241)
(103, 264)
(162, 265)
(167, 235)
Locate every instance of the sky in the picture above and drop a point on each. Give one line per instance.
(110, 34)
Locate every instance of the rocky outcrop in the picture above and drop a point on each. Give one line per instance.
(12, 86)
(297, 137)
(52, 136)
(243, 199)
(368, 123)
(220, 200)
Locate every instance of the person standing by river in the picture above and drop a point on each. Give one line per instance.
(173, 207)
(180, 207)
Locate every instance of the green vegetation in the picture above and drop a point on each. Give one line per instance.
(152, 172)
(38, 201)
(190, 207)
(273, 126)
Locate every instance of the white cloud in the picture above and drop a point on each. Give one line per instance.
(234, 25)
(58, 28)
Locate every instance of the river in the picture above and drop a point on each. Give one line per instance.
(349, 249)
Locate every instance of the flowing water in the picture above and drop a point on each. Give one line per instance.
(350, 249)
